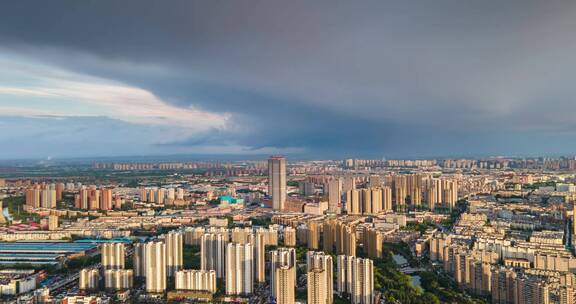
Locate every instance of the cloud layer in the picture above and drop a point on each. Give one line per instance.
(102, 97)
(323, 79)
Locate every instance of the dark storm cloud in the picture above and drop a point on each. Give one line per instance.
(338, 78)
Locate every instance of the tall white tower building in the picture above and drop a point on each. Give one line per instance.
(239, 269)
(356, 277)
(320, 277)
(174, 260)
(281, 257)
(155, 265)
(113, 256)
(212, 253)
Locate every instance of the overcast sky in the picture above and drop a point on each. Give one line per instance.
(316, 78)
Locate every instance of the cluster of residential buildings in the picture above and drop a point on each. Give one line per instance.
(501, 252)
(512, 241)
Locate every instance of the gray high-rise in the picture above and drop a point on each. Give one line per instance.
(277, 181)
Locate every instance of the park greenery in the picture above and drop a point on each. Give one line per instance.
(15, 205)
(397, 287)
(263, 221)
(537, 185)
(460, 208)
(83, 262)
(191, 257)
(418, 227)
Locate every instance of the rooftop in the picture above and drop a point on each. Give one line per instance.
(47, 247)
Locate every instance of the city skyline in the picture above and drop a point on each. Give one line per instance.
(358, 231)
(314, 80)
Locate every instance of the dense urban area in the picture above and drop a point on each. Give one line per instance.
(492, 230)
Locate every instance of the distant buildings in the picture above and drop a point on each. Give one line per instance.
(401, 193)
(218, 222)
(91, 198)
(94, 198)
(41, 196)
(52, 222)
(368, 201)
